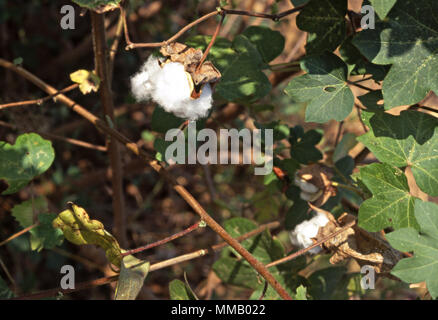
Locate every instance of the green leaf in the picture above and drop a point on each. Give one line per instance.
(29, 157)
(298, 212)
(5, 292)
(410, 139)
(133, 272)
(408, 41)
(301, 293)
(240, 63)
(98, 5)
(303, 144)
(23, 212)
(162, 121)
(262, 246)
(358, 64)
(423, 266)
(382, 7)
(243, 79)
(45, 236)
(391, 204)
(236, 272)
(325, 22)
(179, 291)
(328, 282)
(269, 43)
(324, 86)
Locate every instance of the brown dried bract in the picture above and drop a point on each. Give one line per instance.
(190, 58)
(367, 248)
(320, 176)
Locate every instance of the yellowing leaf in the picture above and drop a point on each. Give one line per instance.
(88, 80)
(79, 229)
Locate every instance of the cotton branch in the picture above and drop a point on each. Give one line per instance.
(256, 264)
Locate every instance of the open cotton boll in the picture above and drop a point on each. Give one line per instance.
(303, 233)
(141, 83)
(170, 87)
(172, 92)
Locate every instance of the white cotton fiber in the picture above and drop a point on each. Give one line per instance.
(303, 233)
(141, 82)
(169, 86)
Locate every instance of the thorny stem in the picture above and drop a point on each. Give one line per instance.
(163, 241)
(102, 70)
(154, 267)
(303, 251)
(257, 265)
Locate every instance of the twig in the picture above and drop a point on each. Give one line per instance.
(303, 251)
(130, 45)
(257, 265)
(37, 101)
(19, 233)
(76, 142)
(213, 39)
(8, 274)
(275, 17)
(113, 49)
(154, 267)
(338, 135)
(163, 241)
(101, 64)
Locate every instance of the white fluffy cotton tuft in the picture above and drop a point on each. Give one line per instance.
(303, 233)
(169, 86)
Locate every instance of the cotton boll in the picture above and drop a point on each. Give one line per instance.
(320, 219)
(303, 233)
(171, 86)
(172, 91)
(141, 83)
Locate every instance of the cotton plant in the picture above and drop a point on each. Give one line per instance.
(303, 233)
(175, 83)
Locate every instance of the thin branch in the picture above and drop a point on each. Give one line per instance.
(154, 267)
(19, 233)
(130, 45)
(256, 264)
(101, 64)
(52, 136)
(213, 39)
(275, 17)
(163, 241)
(303, 251)
(37, 101)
